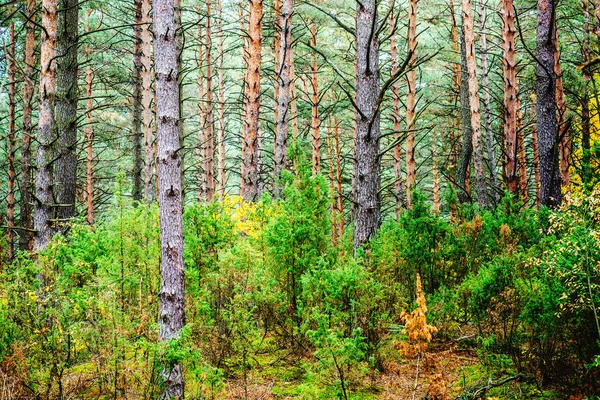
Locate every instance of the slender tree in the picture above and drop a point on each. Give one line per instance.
(26, 209)
(411, 102)
(366, 194)
(137, 138)
(220, 103)
(10, 200)
(509, 74)
(89, 129)
(65, 114)
(478, 158)
(44, 207)
(396, 114)
(172, 317)
(209, 123)
(466, 150)
(147, 98)
(250, 146)
(315, 119)
(550, 180)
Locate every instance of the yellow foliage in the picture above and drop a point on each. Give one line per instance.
(249, 218)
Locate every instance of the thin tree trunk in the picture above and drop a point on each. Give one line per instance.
(586, 169)
(396, 116)
(509, 73)
(456, 89)
(466, 150)
(10, 200)
(478, 158)
(44, 206)
(277, 25)
(147, 96)
(315, 122)
(550, 180)
(523, 187)
(564, 141)
(209, 138)
(250, 158)
(89, 129)
(487, 104)
(201, 80)
(66, 111)
(366, 196)
(171, 296)
(536, 159)
(244, 122)
(283, 101)
(138, 161)
(220, 104)
(436, 179)
(26, 170)
(411, 103)
(334, 217)
(294, 97)
(338, 167)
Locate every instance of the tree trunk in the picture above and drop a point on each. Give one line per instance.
(89, 129)
(44, 206)
(283, 100)
(138, 161)
(338, 168)
(66, 111)
(201, 80)
(277, 24)
(509, 74)
(436, 179)
(26, 170)
(564, 141)
(550, 180)
(220, 103)
(147, 95)
(495, 187)
(536, 158)
(586, 159)
(250, 156)
(209, 137)
(478, 158)
(171, 295)
(523, 186)
(294, 97)
(315, 122)
(466, 149)
(396, 116)
(411, 102)
(330, 151)
(10, 200)
(456, 90)
(366, 188)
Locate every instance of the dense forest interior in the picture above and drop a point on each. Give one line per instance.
(288, 199)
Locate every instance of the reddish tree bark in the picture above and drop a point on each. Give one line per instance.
(89, 130)
(411, 102)
(10, 200)
(220, 104)
(396, 116)
(315, 122)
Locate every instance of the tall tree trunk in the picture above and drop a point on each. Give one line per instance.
(564, 140)
(277, 25)
(44, 207)
(137, 140)
(89, 129)
(334, 208)
(466, 150)
(26, 170)
(550, 180)
(586, 169)
(220, 103)
(398, 192)
(283, 101)
(201, 80)
(478, 158)
(172, 317)
(367, 211)
(250, 158)
(523, 186)
(411, 103)
(209, 138)
(495, 187)
(147, 97)
(509, 74)
(66, 111)
(10, 200)
(294, 97)
(536, 158)
(456, 89)
(315, 122)
(338, 168)
(436, 179)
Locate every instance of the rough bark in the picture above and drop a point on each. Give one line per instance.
(564, 140)
(466, 149)
(277, 25)
(315, 121)
(411, 103)
(478, 157)
(283, 100)
(65, 113)
(366, 196)
(399, 193)
(171, 296)
(209, 138)
(26, 206)
(331, 170)
(201, 80)
(220, 104)
(550, 180)
(10, 200)
(586, 159)
(436, 179)
(338, 169)
(137, 139)
(523, 182)
(293, 97)
(509, 74)
(147, 96)
(250, 156)
(487, 103)
(44, 206)
(89, 130)
(456, 87)
(536, 158)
